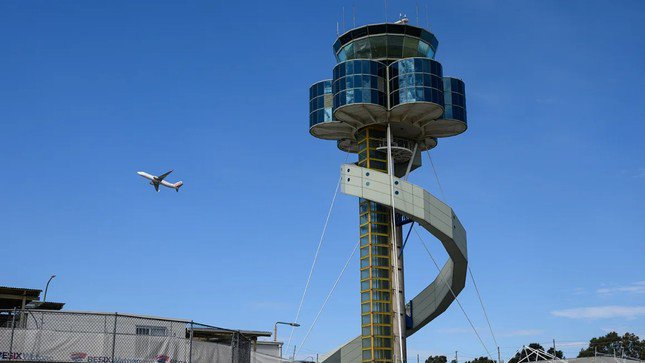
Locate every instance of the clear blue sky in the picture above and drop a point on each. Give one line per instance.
(549, 179)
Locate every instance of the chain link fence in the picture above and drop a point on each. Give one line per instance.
(57, 336)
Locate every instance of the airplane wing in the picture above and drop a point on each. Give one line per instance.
(156, 185)
(162, 176)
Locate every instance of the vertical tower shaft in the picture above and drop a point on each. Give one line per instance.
(377, 302)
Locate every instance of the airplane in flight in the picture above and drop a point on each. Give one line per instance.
(159, 180)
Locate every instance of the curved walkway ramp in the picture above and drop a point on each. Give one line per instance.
(433, 215)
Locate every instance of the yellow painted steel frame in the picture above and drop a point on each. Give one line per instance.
(377, 333)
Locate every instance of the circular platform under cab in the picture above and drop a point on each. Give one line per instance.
(453, 121)
(416, 90)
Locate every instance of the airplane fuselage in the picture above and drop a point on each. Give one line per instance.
(155, 181)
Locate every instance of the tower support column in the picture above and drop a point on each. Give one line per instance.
(379, 328)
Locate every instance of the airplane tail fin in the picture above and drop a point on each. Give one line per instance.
(178, 185)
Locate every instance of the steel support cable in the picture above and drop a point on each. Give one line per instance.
(454, 295)
(313, 265)
(304, 340)
(436, 176)
(395, 256)
(481, 302)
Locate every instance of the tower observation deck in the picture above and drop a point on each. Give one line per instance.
(388, 101)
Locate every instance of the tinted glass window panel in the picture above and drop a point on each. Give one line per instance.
(395, 46)
(327, 87)
(349, 50)
(379, 47)
(423, 49)
(418, 79)
(413, 31)
(362, 48)
(374, 97)
(328, 114)
(350, 96)
(336, 45)
(367, 343)
(410, 47)
(359, 32)
(365, 274)
(376, 29)
(418, 64)
(358, 95)
(358, 81)
(349, 67)
(406, 66)
(395, 28)
(366, 81)
(367, 66)
(345, 38)
(419, 94)
(358, 68)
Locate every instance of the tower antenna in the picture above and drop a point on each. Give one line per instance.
(417, 14)
(386, 11)
(353, 16)
(427, 19)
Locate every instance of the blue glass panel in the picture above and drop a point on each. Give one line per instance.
(327, 113)
(423, 49)
(419, 94)
(349, 67)
(358, 68)
(350, 96)
(358, 80)
(394, 46)
(406, 65)
(358, 95)
(367, 81)
(362, 48)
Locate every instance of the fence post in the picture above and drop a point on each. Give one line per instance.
(13, 328)
(114, 336)
(190, 344)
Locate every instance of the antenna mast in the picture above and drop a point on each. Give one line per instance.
(427, 19)
(354, 16)
(386, 11)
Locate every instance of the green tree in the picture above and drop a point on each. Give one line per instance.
(481, 360)
(523, 353)
(629, 345)
(558, 353)
(437, 359)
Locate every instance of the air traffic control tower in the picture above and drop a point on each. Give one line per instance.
(389, 101)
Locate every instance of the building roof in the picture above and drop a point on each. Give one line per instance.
(20, 290)
(225, 335)
(45, 305)
(13, 297)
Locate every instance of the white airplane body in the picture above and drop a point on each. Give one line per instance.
(159, 180)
